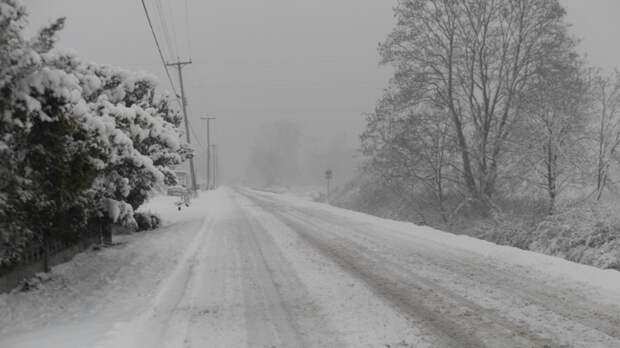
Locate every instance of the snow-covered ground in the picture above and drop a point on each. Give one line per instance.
(307, 192)
(86, 297)
(248, 268)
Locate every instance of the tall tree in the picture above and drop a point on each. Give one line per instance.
(411, 147)
(606, 94)
(557, 106)
(473, 59)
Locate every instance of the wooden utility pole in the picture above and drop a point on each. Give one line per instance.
(179, 64)
(208, 119)
(214, 166)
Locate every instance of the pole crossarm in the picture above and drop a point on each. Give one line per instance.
(179, 63)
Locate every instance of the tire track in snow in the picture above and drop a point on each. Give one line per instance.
(567, 313)
(279, 310)
(438, 310)
(357, 316)
(444, 332)
(240, 291)
(153, 327)
(507, 282)
(596, 323)
(217, 318)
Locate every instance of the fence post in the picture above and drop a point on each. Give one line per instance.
(46, 252)
(107, 232)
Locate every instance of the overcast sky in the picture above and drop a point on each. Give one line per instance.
(313, 61)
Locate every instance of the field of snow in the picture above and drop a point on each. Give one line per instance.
(241, 267)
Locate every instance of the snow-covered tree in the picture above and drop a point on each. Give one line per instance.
(152, 124)
(606, 111)
(151, 139)
(410, 147)
(37, 118)
(473, 59)
(78, 141)
(553, 133)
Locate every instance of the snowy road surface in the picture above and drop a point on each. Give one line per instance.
(243, 268)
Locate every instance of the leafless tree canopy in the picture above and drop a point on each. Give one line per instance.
(483, 90)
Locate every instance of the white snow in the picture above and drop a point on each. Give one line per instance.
(362, 320)
(231, 271)
(556, 267)
(86, 298)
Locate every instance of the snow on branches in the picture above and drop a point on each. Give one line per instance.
(78, 141)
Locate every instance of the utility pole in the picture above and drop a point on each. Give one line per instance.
(208, 119)
(214, 166)
(179, 64)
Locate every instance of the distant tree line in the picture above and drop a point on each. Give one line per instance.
(490, 100)
(283, 154)
(79, 142)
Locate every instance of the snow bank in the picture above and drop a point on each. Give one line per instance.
(86, 295)
(165, 207)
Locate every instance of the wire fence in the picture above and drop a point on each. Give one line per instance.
(35, 251)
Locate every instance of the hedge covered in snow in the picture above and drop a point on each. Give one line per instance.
(78, 141)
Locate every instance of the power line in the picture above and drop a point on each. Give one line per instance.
(163, 61)
(164, 27)
(180, 99)
(194, 133)
(173, 27)
(189, 45)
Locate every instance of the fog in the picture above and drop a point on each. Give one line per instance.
(265, 68)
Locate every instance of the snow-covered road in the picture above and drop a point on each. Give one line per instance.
(242, 268)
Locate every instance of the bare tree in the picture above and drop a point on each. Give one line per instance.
(557, 108)
(412, 146)
(606, 92)
(474, 59)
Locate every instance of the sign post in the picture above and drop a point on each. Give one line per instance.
(328, 176)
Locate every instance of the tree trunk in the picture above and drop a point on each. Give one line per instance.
(46, 252)
(551, 176)
(106, 232)
(600, 169)
(468, 176)
(440, 198)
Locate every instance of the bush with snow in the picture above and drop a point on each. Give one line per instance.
(79, 142)
(147, 221)
(587, 233)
